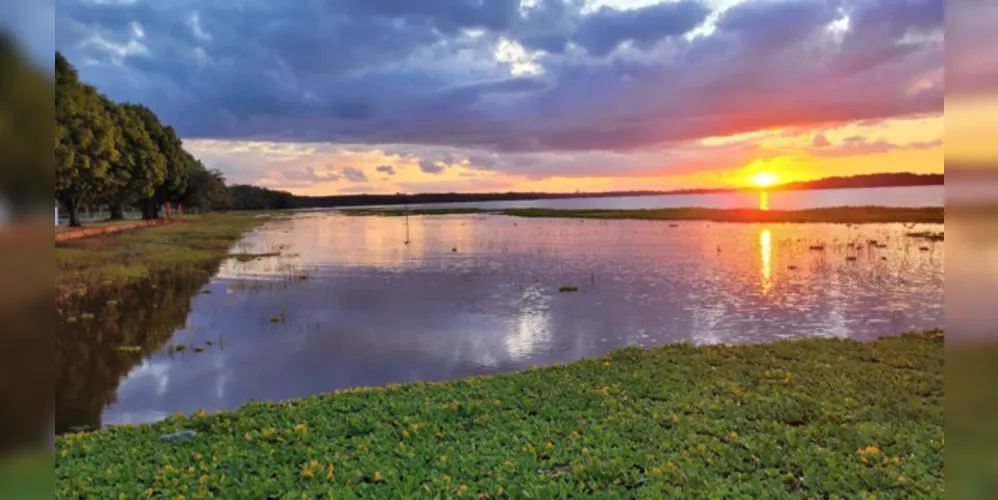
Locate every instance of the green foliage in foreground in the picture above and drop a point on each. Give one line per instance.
(92, 262)
(855, 215)
(817, 418)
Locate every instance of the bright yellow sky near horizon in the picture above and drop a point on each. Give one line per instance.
(972, 130)
(716, 162)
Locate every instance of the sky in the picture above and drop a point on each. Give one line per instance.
(383, 96)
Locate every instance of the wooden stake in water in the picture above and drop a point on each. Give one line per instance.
(407, 224)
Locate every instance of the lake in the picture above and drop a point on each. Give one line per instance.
(347, 303)
(910, 196)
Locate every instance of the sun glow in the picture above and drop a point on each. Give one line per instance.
(764, 179)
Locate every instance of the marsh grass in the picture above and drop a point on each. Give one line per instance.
(821, 418)
(927, 235)
(848, 215)
(122, 258)
(568, 288)
(246, 257)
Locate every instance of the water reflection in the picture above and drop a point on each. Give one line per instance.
(766, 254)
(101, 339)
(347, 303)
(764, 200)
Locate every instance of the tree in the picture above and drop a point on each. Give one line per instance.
(175, 160)
(205, 188)
(140, 167)
(84, 141)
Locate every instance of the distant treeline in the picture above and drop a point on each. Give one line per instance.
(120, 155)
(255, 198)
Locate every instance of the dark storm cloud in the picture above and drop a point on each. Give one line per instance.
(386, 169)
(607, 28)
(354, 174)
(430, 167)
(406, 72)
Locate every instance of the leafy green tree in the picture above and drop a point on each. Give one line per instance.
(205, 188)
(140, 167)
(84, 141)
(175, 160)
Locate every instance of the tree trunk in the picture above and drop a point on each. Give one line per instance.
(74, 213)
(117, 211)
(148, 212)
(144, 208)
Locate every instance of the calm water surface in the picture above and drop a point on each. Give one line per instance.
(912, 196)
(348, 304)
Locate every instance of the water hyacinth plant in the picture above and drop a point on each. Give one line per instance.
(821, 418)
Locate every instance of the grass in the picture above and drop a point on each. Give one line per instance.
(125, 258)
(853, 215)
(811, 418)
(246, 257)
(927, 235)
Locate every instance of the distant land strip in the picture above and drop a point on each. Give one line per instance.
(852, 215)
(255, 197)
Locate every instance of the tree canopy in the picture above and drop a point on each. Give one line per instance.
(120, 154)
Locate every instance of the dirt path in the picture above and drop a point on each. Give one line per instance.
(83, 232)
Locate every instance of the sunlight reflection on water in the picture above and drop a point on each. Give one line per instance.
(479, 294)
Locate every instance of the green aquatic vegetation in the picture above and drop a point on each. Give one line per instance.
(112, 302)
(848, 215)
(568, 288)
(198, 349)
(206, 292)
(821, 418)
(209, 342)
(246, 257)
(130, 348)
(927, 235)
(131, 257)
(179, 347)
(277, 319)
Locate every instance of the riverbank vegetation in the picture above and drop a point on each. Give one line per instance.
(816, 418)
(91, 263)
(853, 215)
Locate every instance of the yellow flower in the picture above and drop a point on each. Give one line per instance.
(201, 413)
(443, 458)
(734, 435)
(377, 475)
(585, 451)
(301, 428)
(405, 434)
(463, 488)
(548, 445)
(329, 472)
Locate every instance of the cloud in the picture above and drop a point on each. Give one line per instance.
(427, 73)
(859, 146)
(431, 166)
(820, 141)
(354, 175)
(386, 169)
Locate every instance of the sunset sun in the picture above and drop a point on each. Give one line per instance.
(764, 179)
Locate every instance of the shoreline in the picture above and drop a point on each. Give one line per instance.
(840, 215)
(127, 256)
(823, 414)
